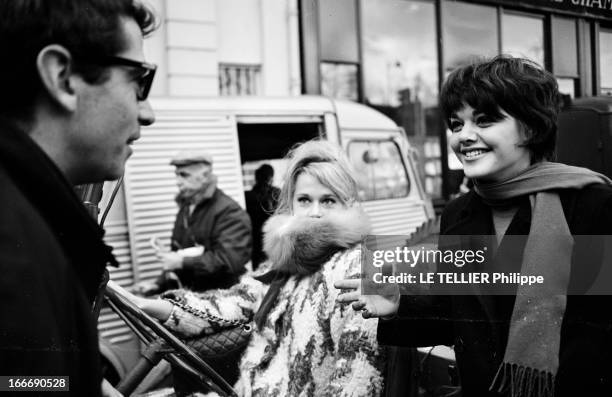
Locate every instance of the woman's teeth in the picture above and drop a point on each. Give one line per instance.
(473, 153)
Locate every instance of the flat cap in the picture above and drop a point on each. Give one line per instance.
(186, 157)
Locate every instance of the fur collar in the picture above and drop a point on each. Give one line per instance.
(301, 245)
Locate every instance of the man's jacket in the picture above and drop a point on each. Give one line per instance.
(224, 229)
(51, 261)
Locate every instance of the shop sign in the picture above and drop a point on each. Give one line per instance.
(582, 7)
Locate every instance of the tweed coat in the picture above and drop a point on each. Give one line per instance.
(310, 345)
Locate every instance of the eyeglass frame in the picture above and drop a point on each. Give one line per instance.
(145, 81)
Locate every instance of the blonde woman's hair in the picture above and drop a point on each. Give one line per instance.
(324, 161)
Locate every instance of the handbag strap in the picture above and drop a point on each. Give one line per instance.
(207, 316)
(259, 316)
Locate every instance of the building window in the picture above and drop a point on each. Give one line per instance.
(235, 79)
(340, 80)
(400, 74)
(530, 43)
(470, 31)
(605, 60)
(381, 173)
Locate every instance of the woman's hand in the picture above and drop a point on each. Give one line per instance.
(139, 301)
(370, 305)
(160, 309)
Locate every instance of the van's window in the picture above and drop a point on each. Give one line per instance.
(381, 173)
(269, 143)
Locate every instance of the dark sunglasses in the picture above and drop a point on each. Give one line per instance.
(145, 80)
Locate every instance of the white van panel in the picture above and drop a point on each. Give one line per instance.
(110, 326)
(354, 116)
(399, 216)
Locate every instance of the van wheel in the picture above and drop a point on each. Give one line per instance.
(109, 372)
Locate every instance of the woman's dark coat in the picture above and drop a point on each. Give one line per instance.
(478, 326)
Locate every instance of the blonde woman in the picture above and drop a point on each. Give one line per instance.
(306, 343)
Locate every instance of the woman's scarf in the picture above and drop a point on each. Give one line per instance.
(531, 358)
(301, 245)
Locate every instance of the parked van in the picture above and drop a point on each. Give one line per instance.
(241, 134)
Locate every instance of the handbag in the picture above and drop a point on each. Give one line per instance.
(223, 349)
(232, 335)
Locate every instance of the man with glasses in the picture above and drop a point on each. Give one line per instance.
(74, 96)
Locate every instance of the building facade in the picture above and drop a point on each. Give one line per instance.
(394, 54)
(389, 54)
(225, 47)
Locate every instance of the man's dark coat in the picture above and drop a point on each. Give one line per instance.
(224, 229)
(51, 261)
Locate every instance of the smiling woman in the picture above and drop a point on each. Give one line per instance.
(490, 147)
(503, 116)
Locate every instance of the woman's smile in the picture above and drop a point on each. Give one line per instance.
(474, 154)
(490, 147)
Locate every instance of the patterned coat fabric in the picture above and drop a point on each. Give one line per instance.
(310, 345)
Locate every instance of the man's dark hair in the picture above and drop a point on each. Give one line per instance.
(264, 174)
(519, 86)
(84, 27)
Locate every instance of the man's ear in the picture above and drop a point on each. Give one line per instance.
(55, 67)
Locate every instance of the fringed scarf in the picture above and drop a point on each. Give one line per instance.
(300, 245)
(531, 358)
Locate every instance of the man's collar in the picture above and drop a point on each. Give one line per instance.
(35, 174)
(206, 193)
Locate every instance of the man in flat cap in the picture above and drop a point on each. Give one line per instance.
(210, 219)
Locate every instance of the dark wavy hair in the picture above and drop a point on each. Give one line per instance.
(519, 86)
(263, 174)
(84, 27)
